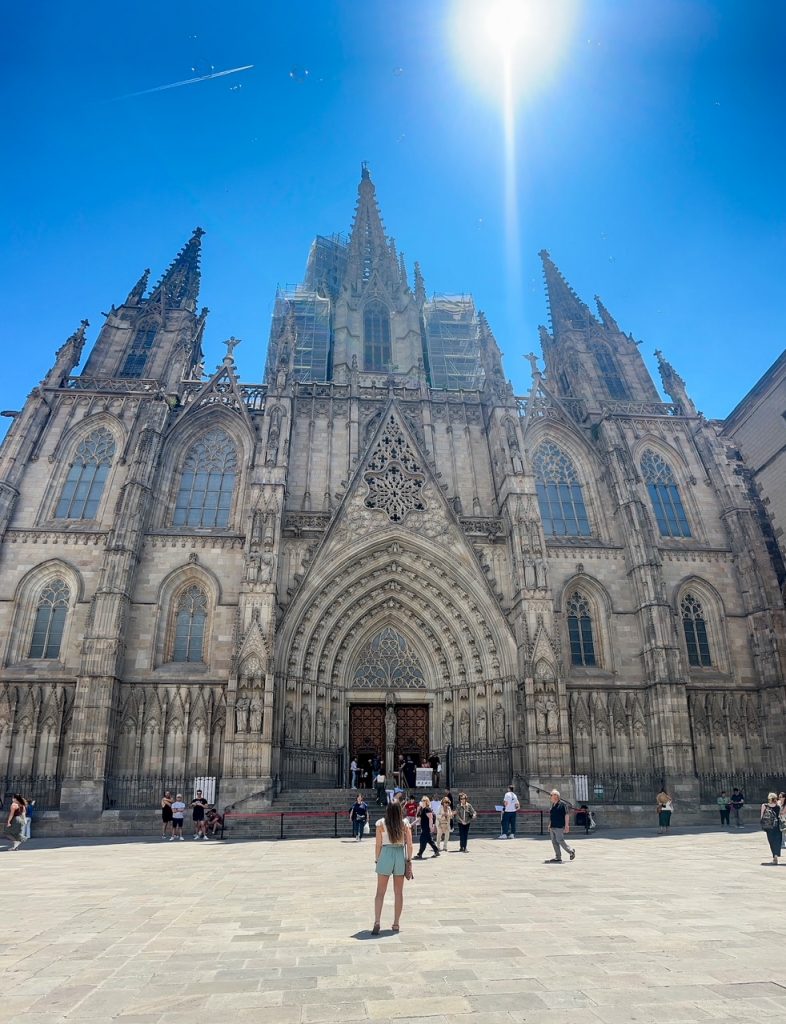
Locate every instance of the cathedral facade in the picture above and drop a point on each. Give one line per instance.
(379, 548)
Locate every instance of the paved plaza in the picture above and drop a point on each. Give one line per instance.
(690, 927)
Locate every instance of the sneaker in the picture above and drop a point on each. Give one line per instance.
(554, 860)
(572, 854)
(511, 836)
(435, 855)
(181, 838)
(418, 856)
(502, 837)
(171, 839)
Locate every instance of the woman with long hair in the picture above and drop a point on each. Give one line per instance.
(14, 826)
(426, 815)
(393, 856)
(465, 812)
(664, 806)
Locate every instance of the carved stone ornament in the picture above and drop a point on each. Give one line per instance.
(393, 476)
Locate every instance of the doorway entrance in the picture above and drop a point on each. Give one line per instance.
(367, 737)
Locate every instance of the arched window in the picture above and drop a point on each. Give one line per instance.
(559, 493)
(610, 374)
(87, 475)
(582, 642)
(136, 360)
(695, 627)
(376, 337)
(208, 482)
(50, 620)
(191, 616)
(664, 495)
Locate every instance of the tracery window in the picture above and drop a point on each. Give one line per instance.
(582, 642)
(665, 495)
(87, 475)
(376, 337)
(560, 496)
(208, 482)
(190, 620)
(610, 374)
(50, 620)
(387, 660)
(695, 628)
(393, 475)
(136, 360)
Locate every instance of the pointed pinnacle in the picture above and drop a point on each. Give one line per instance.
(566, 308)
(181, 279)
(606, 317)
(139, 289)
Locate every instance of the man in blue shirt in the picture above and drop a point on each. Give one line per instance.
(358, 816)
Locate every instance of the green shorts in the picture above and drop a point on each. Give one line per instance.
(392, 861)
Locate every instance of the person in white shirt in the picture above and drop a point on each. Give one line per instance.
(178, 809)
(510, 804)
(353, 770)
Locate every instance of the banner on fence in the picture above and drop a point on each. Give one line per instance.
(208, 787)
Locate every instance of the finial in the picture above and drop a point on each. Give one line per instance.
(532, 359)
(231, 344)
(364, 173)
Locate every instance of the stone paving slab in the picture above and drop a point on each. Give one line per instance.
(639, 929)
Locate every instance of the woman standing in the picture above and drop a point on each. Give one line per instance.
(444, 818)
(426, 816)
(465, 812)
(664, 805)
(393, 856)
(359, 817)
(166, 814)
(770, 823)
(380, 783)
(14, 826)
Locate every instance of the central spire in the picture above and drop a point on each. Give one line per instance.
(370, 250)
(179, 287)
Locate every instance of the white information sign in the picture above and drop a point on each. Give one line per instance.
(424, 778)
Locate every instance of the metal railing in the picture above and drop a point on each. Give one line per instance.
(617, 787)
(754, 785)
(144, 792)
(492, 766)
(311, 767)
(44, 789)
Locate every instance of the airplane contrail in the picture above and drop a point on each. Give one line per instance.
(188, 81)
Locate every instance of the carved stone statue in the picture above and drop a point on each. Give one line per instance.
(499, 722)
(319, 728)
(464, 727)
(390, 726)
(552, 715)
(255, 716)
(540, 715)
(447, 729)
(289, 722)
(333, 730)
(481, 728)
(305, 726)
(241, 714)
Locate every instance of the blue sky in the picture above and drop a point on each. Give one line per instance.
(651, 164)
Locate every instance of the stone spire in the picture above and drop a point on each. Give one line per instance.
(136, 294)
(179, 287)
(420, 285)
(608, 320)
(67, 357)
(369, 249)
(567, 310)
(674, 385)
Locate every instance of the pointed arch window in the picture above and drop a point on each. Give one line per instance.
(190, 621)
(560, 496)
(139, 353)
(694, 626)
(610, 374)
(87, 475)
(376, 337)
(50, 620)
(665, 495)
(580, 634)
(207, 484)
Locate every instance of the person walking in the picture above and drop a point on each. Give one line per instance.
(723, 807)
(14, 825)
(359, 817)
(27, 824)
(559, 826)
(444, 818)
(510, 804)
(380, 783)
(198, 806)
(664, 807)
(166, 814)
(393, 857)
(353, 772)
(771, 825)
(737, 803)
(178, 810)
(426, 816)
(465, 813)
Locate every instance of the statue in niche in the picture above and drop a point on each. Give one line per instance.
(256, 529)
(252, 568)
(390, 726)
(480, 728)
(499, 722)
(319, 728)
(464, 727)
(241, 714)
(255, 716)
(513, 445)
(333, 730)
(540, 715)
(447, 729)
(273, 437)
(552, 715)
(305, 727)
(289, 723)
(530, 574)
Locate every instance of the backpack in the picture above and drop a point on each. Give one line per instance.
(769, 818)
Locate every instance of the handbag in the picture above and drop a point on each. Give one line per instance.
(366, 829)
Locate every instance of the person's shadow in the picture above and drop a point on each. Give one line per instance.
(367, 934)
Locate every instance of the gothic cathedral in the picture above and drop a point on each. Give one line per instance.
(380, 548)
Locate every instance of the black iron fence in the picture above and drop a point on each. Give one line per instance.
(617, 787)
(754, 785)
(312, 768)
(44, 789)
(141, 792)
(478, 768)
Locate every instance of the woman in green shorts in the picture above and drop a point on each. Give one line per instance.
(393, 855)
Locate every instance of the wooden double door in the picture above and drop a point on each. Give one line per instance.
(367, 733)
